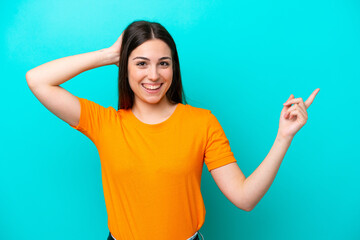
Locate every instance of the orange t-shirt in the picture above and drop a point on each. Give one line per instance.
(151, 173)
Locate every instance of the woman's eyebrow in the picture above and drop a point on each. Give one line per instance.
(149, 59)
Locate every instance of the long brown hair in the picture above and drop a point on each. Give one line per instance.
(134, 35)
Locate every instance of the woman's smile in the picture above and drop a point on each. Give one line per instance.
(152, 88)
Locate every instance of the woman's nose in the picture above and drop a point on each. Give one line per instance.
(153, 73)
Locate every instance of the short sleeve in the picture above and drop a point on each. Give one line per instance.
(218, 152)
(91, 118)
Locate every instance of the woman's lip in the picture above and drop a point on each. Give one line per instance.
(152, 84)
(150, 90)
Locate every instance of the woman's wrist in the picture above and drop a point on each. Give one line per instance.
(108, 57)
(284, 139)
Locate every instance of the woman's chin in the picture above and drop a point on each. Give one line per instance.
(152, 100)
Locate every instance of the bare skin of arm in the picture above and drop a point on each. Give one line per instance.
(44, 81)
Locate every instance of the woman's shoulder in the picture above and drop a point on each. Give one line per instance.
(196, 111)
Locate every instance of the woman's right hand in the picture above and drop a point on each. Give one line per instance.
(115, 51)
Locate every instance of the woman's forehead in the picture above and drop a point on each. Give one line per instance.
(152, 49)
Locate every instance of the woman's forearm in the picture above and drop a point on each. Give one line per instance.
(61, 70)
(258, 183)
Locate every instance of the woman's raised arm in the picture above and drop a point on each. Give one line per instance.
(44, 81)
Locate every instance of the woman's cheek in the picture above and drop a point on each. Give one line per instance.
(169, 74)
(136, 75)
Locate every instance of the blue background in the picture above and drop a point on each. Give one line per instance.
(240, 59)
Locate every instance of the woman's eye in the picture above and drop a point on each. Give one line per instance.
(144, 63)
(140, 64)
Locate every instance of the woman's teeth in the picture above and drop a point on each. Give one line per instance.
(151, 87)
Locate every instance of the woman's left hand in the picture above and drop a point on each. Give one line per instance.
(294, 117)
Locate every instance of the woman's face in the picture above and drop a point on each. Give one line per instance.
(150, 66)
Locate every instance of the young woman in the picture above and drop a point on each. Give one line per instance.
(153, 147)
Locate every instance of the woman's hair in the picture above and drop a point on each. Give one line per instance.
(134, 35)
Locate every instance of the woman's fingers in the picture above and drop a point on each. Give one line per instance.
(293, 101)
(296, 111)
(296, 101)
(117, 45)
(311, 98)
(295, 107)
(307, 103)
(298, 114)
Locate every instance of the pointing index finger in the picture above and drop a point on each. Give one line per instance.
(311, 98)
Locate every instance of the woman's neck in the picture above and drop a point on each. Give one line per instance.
(153, 113)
